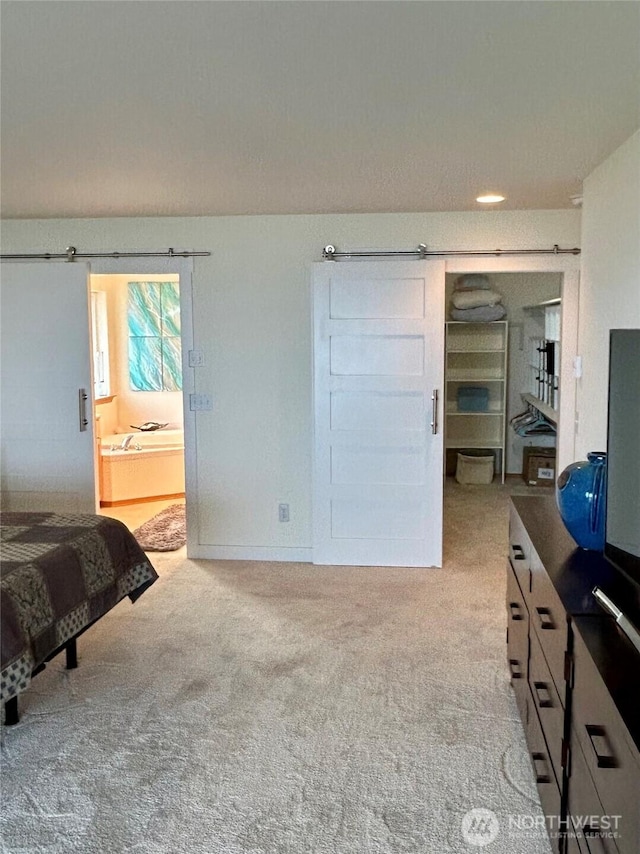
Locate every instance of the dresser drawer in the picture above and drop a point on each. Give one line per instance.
(520, 549)
(548, 705)
(548, 790)
(549, 621)
(517, 640)
(612, 760)
(585, 813)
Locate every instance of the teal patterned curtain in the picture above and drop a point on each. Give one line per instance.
(153, 313)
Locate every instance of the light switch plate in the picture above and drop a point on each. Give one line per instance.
(200, 402)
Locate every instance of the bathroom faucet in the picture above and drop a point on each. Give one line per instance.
(124, 445)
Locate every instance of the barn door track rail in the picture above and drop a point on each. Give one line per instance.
(330, 253)
(71, 254)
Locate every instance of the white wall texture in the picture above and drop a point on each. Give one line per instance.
(609, 281)
(251, 309)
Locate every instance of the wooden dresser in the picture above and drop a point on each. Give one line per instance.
(576, 678)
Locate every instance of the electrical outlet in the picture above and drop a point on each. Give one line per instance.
(200, 402)
(196, 358)
(283, 512)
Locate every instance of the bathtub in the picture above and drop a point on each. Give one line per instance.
(152, 467)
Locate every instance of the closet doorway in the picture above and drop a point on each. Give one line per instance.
(531, 290)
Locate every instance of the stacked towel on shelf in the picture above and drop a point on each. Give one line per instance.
(474, 301)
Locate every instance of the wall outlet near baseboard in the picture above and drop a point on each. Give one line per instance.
(283, 512)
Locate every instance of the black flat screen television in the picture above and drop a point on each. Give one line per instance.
(622, 532)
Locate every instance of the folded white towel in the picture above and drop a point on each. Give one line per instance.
(482, 314)
(474, 299)
(472, 282)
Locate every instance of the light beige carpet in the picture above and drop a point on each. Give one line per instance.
(279, 708)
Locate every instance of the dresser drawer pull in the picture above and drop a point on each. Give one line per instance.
(546, 620)
(599, 738)
(541, 777)
(543, 695)
(516, 613)
(514, 667)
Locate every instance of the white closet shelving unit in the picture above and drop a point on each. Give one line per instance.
(476, 357)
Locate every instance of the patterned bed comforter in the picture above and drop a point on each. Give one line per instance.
(59, 573)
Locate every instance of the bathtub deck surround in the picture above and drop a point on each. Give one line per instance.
(142, 466)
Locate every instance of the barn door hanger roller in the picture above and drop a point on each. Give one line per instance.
(330, 253)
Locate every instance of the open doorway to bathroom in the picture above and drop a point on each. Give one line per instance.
(138, 397)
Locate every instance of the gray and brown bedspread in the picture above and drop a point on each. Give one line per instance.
(60, 573)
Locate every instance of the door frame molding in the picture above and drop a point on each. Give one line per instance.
(183, 267)
(568, 266)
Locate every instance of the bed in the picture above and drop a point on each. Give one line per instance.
(59, 573)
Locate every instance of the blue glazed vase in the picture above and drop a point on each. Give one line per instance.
(581, 498)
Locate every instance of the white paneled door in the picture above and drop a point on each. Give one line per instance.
(47, 454)
(378, 449)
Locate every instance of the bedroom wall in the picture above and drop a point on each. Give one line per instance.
(251, 308)
(609, 283)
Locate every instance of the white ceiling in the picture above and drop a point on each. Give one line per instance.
(196, 108)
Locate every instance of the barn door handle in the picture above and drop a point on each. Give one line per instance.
(82, 409)
(434, 411)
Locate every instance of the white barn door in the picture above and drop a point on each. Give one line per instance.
(378, 448)
(47, 456)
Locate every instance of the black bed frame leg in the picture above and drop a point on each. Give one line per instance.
(11, 714)
(72, 654)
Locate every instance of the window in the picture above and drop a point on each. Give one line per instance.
(153, 311)
(100, 344)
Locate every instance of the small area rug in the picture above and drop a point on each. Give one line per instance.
(166, 532)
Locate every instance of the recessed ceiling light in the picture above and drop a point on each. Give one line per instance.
(490, 199)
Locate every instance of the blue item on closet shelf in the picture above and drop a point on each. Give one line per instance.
(473, 399)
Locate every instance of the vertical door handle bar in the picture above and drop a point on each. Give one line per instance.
(434, 411)
(82, 409)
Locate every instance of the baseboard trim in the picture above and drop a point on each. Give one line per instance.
(284, 554)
